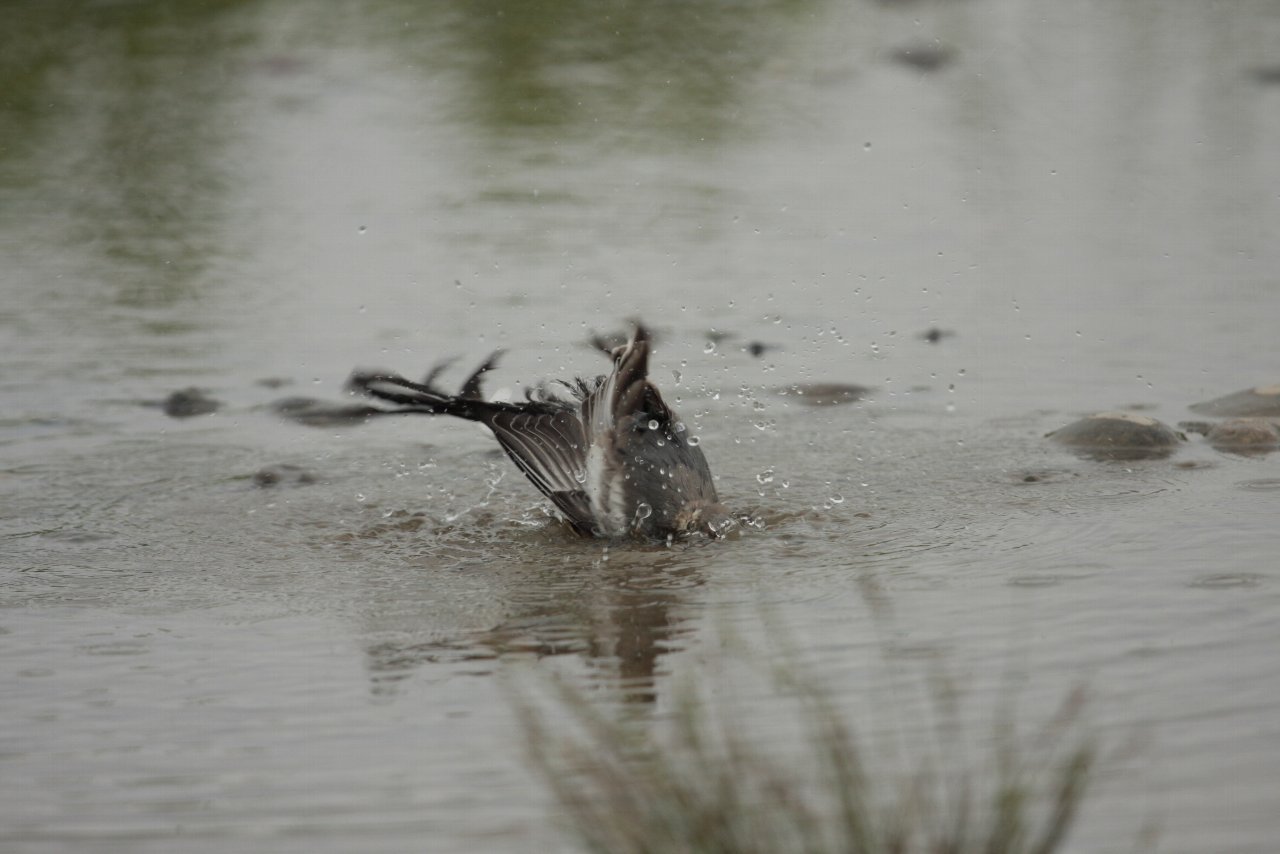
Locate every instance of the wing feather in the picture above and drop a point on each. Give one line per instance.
(550, 448)
(545, 444)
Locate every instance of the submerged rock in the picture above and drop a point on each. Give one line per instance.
(1251, 433)
(935, 334)
(189, 402)
(1239, 435)
(1259, 402)
(320, 413)
(283, 474)
(1119, 436)
(925, 57)
(825, 394)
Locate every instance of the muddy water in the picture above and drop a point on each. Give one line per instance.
(250, 200)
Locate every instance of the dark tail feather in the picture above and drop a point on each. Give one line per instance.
(471, 388)
(437, 369)
(426, 398)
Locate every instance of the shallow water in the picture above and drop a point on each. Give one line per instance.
(218, 196)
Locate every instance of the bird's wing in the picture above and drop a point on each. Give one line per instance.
(550, 447)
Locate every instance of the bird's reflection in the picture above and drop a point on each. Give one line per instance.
(620, 611)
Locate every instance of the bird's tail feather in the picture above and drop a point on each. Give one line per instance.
(424, 397)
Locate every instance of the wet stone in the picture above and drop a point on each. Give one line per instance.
(1255, 434)
(189, 402)
(1119, 435)
(1259, 402)
(320, 413)
(283, 474)
(924, 57)
(935, 334)
(1039, 476)
(825, 394)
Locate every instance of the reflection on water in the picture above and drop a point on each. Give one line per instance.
(621, 615)
(116, 130)
(623, 73)
(616, 606)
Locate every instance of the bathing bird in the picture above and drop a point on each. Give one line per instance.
(608, 452)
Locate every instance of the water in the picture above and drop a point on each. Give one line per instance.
(251, 200)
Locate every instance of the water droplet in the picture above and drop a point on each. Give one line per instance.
(580, 476)
(679, 428)
(837, 499)
(694, 441)
(710, 348)
(643, 511)
(765, 476)
(653, 425)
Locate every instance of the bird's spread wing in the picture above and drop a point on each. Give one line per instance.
(544, 436)
(551, 449)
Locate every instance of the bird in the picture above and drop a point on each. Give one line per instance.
(609, 452)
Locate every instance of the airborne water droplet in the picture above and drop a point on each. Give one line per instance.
(765, 476)
(693, 441)
(653, 425)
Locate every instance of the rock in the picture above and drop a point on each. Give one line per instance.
(189, 402)
(1245, 434)
(1259, 402)
(825, 394)
(320, 413)
(1120, 436)
(283, 474)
